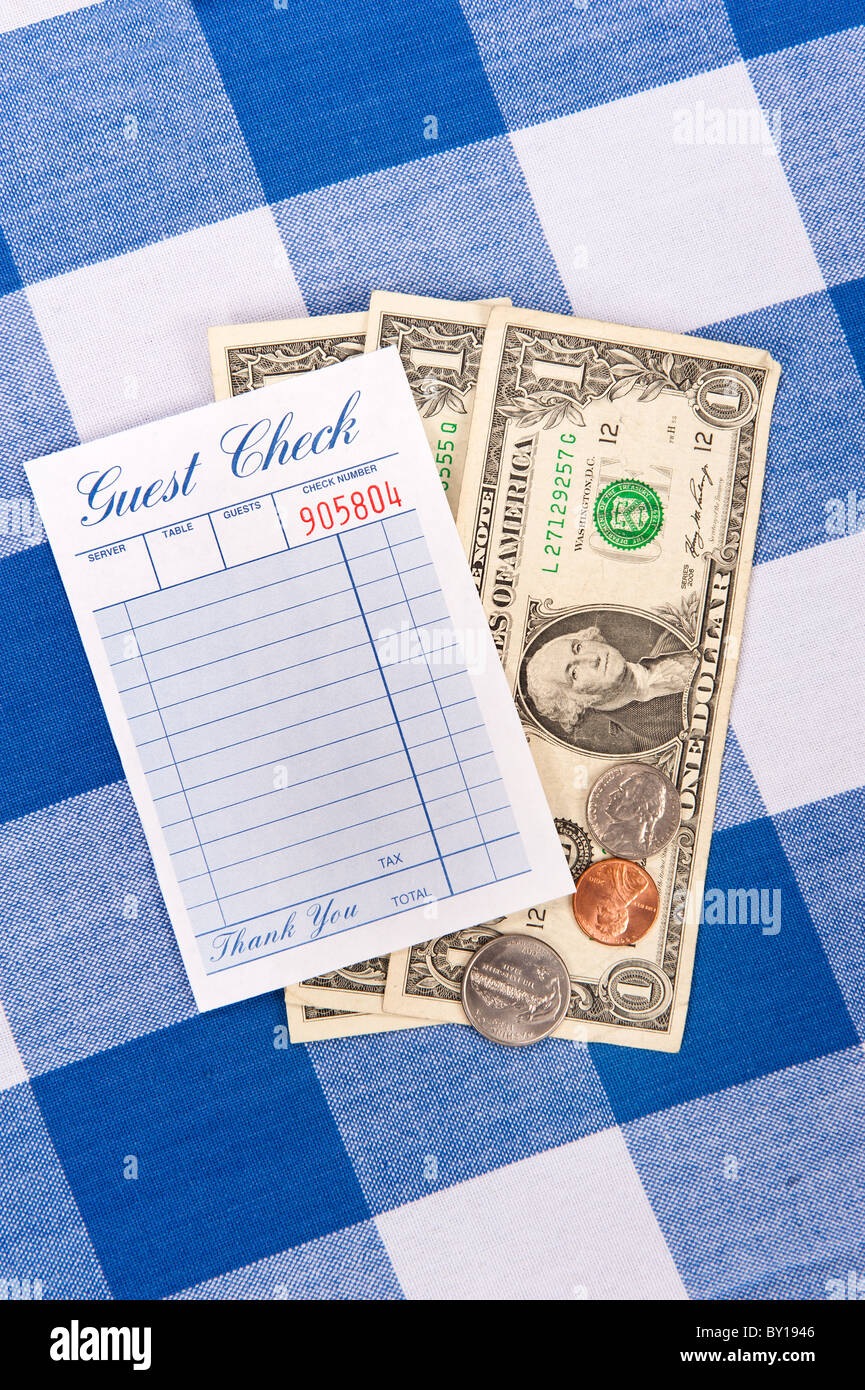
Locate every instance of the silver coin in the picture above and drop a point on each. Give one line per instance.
(634, 810)
(516, 990)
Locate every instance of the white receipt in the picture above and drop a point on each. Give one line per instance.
(299, 678)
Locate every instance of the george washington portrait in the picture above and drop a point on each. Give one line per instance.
(608, 680)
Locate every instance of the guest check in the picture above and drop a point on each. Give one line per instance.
(299, 678)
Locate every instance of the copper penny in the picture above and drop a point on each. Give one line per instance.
(616, 902)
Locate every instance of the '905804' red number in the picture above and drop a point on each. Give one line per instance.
(361, 506)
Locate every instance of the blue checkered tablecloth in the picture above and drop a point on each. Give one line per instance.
(688, 164)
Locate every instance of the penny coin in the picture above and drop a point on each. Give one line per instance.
(634, 810)
(516, 990)
(616, 902)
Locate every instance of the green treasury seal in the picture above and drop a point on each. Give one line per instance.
(628, 513)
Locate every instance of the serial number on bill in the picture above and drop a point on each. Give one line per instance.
(559, 504)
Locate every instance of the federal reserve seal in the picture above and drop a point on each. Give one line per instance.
(628, 514)
(576, 845)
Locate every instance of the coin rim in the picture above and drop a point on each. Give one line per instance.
(519, 936)
(592, 820)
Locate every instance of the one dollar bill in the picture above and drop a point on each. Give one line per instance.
(246, 356)
(609, 509)
(306, 1023)
(439, 343)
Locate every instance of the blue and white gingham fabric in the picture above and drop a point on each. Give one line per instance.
(689, 164)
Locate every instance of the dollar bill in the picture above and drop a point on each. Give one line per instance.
(353, 989)
(245, 356)
(439, 342)
(309, 1024)
(609, 508)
